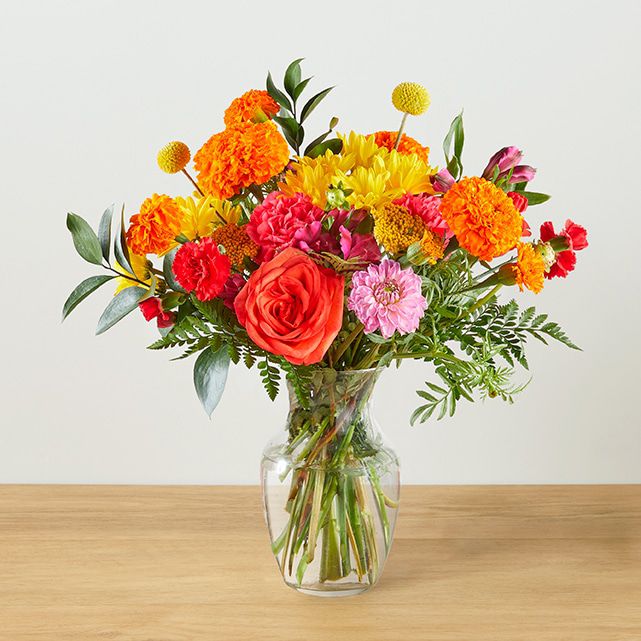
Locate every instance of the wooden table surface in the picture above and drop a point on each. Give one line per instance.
(150, 563)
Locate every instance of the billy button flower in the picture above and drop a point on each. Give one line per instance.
(174, 157)
(409, 98)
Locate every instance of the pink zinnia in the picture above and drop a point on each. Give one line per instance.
(427, 208)
(388, 298)
(274, 224)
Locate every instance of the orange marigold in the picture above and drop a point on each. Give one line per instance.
(387, 139)
(236, 242)
(243, 155)
(432, 247)
(529, 270)
(253, 105)
(483, 218)
(153, 230)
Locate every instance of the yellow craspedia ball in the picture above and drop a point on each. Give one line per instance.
(173, 157)
(411, 98)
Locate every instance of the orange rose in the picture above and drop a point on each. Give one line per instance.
(292, 307)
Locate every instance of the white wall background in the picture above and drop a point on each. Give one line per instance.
(91, 90)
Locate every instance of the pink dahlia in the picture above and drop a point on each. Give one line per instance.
(274, 223)
(388, 298)
(427, 208)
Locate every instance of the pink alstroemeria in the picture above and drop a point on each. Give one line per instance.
(505, 159)
(520, 174)
(442, 181)
(359, 246)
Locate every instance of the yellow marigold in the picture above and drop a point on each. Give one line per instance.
(396, 228)
(140, 266)
(432, 247)
(200, 217)
(254, 105)
(173, 157)
(236, 242)
(359, 150)
(313, 176)
(242, 155)
(483, 218)
(529, 270)
(407, 145)
(411, 98)
(154, 228)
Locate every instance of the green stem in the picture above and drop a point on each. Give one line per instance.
(400, 131)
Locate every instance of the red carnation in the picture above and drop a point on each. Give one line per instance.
(201, 268)
(519, 200)
(576, 238)
(152, 308)
(274, 223)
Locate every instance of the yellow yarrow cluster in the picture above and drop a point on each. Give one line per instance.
(173, 157)
(238, 245)
(411, 98)
(396, 228)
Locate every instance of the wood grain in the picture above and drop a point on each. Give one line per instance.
(517, 563)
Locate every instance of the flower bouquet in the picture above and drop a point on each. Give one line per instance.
(325, 262)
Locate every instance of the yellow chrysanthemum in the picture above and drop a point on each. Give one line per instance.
(141, 271)
(202, 216)
(236, 242)
(368, 187)
(411, 98)
(359, 150)
(173, 157)
(313, 176)
(396, 228)
(407, 173)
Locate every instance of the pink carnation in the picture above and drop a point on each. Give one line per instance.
(388, 298)
(428, 209)
(274, 223)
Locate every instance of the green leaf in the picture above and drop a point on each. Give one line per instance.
(300, 87)
(535, 198)
(84, 239)
(120, 305)
(81, 292)
(171, 300)
(210, 375)
(168, 271)
(312, 103)
(334, 145)
(292, 77)
(454, 135)
(104, 231)
(120, 245)
(277, 94)
(292, 130)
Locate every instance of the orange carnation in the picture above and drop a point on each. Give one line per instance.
(154, 228)
(243, 155)
(482, 217)
(406, 146)
(253, 105)
(529, 270)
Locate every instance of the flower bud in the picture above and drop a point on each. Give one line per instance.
(442, 181)
(504, 159)
(547, 253)
(520, 174)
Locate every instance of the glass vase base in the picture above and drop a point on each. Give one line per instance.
(321, 590)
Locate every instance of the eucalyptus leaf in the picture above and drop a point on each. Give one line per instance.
(84, 239)
(168, 271)
(535, 198)
(121, 250)
(210, 376)
(104, 231)
(312, 103)
(292, 77)
(277, 94)
(81, 292)
(120, 305)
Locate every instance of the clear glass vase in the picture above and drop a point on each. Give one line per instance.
(331, 488)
